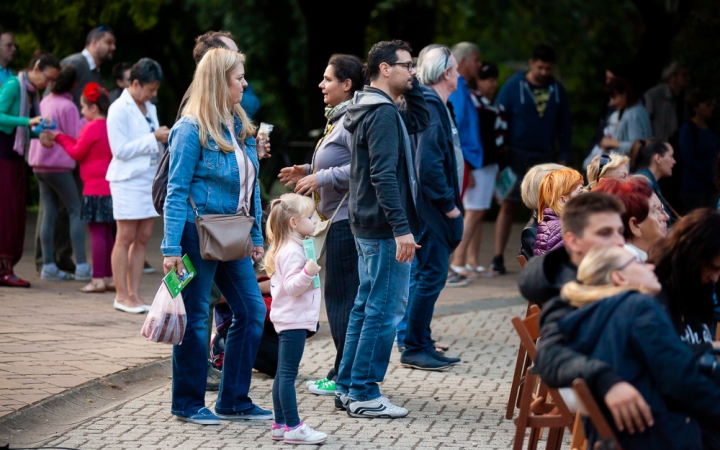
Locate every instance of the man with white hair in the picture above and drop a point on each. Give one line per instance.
(438, 162)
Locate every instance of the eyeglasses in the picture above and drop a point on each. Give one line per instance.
(624, 266)
(604, 161)
(408, 65)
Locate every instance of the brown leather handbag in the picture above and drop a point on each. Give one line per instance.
(226, 237)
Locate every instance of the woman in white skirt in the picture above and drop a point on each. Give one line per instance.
(136, 141)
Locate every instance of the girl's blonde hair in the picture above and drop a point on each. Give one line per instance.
(616, 160)
(555, 185)
(593, 277)
(209, 100)
(278, 228)
(531, 183)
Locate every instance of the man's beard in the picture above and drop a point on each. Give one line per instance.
(106, 57)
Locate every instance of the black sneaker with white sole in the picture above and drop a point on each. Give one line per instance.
(379, 408)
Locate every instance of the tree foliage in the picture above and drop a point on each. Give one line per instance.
(288, 42)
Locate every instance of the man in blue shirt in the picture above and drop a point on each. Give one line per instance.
(8, 48)
(538, 116)
(481, 180)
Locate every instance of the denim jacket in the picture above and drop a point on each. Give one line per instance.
(210, 175)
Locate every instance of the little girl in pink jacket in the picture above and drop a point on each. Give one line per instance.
(295, 308)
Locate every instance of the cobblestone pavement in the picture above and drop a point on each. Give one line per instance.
(54, 338)
(460, 408)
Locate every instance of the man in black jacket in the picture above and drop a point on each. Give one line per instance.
(437, 151)
(383, 219)
(589, 221)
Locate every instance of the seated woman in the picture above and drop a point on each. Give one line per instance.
(644, 218)
(619, 323)
(555, 190)
(607, 165)
(529, 194)
(653, 160)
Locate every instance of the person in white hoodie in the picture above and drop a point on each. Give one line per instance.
(295, 308)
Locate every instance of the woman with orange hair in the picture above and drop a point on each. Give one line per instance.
(556, 189)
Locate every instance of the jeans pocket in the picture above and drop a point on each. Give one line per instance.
(368, 247)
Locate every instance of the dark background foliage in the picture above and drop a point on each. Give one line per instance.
(288, 43)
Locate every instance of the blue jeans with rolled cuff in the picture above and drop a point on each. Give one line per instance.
(236, 280)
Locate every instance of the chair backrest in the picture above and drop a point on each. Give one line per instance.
(522, 260)
(528, 329)
(589, 408)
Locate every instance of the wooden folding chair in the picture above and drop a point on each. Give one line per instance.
(589, 408)
(523, 361)
(522, 260)
(544, 409)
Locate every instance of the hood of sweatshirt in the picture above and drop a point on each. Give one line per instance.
(362, 103)
(544, 276)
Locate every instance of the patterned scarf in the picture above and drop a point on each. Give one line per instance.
(331, 112)
(22, 133)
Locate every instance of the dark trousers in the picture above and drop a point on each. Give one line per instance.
(430, 275)
(13, 191)
(63, 250)
(341, 284)
(292, 346)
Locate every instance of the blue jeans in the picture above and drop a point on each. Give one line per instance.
(430, 276)
(236, 280)
(291, 348)
(374, 317)
(402, 311)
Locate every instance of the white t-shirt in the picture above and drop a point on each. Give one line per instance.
(243, 203)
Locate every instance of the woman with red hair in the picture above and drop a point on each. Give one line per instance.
(645, 219)
(556, 189)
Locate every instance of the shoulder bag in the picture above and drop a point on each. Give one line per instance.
(226, 237)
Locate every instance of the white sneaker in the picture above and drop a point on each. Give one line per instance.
(304, 435)
(278, 432)
(377, 408)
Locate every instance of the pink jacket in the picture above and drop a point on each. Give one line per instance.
(295, 302)
(55, 159)
(92, 150)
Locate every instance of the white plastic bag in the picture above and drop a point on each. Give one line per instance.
(166, 320)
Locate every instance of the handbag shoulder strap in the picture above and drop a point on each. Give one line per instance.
(246, 195)
(339, 206)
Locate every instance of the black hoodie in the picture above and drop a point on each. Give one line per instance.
(381, 203)
(544, 276)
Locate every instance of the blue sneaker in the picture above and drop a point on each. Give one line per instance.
(254, 413)
(202, 417)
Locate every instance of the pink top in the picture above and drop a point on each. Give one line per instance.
(92, 150)
(55, 159)
(295, 302)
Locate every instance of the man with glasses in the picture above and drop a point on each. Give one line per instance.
(481, 180)
(8, 49)
(99, 48)
(383, 219)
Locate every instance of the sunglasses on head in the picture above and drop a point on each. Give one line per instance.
(604, 161)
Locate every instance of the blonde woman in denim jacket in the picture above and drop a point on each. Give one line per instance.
(208, 162)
